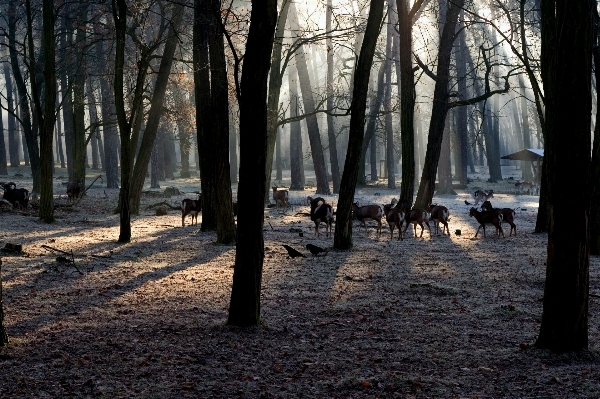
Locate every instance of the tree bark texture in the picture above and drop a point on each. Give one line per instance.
(439, 107)
(3, 163)
(343, 226)
(49, 119)
(244, 308)
(203, 112)
(407, 104)
(595, 167)
(566, 73)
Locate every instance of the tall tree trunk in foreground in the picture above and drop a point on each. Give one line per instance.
(595, 167)
(440, 107)
(566, 73)
(244, 308)
(203, 112)
(407, 104)
(49, 118)
(343, 225)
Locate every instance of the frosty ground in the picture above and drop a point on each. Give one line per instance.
(433, 317)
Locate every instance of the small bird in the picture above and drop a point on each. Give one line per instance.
(315, 250)
(467, 202)
(292, 252)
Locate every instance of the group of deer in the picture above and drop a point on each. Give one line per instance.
(397, 214)
(490, 215)
(194, 206)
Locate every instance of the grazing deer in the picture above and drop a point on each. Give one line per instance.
(280, 197)
(482, 196)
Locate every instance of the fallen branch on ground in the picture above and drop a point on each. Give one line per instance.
(164, 203)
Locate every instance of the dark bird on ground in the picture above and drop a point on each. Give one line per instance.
(315, 250)
(467, 202)
(292, 252)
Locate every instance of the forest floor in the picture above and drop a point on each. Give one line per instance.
(443, 316)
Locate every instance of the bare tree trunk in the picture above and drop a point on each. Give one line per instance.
(312, 124)
(156, 109)
(3, 166)
(30, 147)
(375, 106)
(233, 156)
(48, 117)
(525, 166)
(333, 155)
(373, 158)
(13, 142)
(244, 308)
(566, 73)
(275, 82)
(110, 161)
(445, 167)
(296, 157)
(440, 107)
(343, 226)
(462, 137)
(387, 105)
(407, 104)
(78, 77)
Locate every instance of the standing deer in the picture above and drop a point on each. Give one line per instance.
(280, 197)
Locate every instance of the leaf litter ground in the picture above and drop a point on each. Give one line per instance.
(433, 317)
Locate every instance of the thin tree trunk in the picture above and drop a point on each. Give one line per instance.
(296, 157)
(156, 109)
(78, 77)
(30, 145)
(312, 124)
(387, 105)
(244, 308)
(13, 142)
(3, 166)
(333, 155)
(233, 157)
(439, 109)
(525, 165)
(373, 159)
(375, 106)
(343, 226)
(275, 82)
(462, 137)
